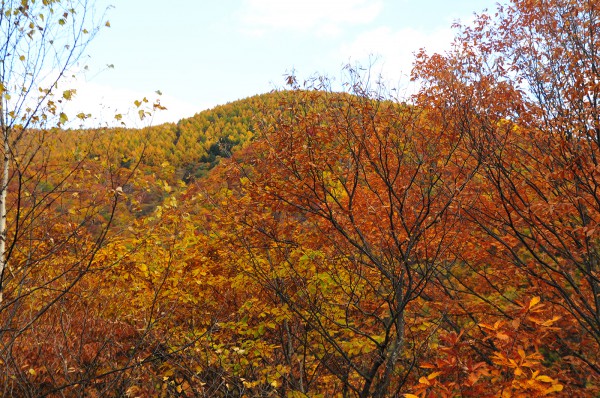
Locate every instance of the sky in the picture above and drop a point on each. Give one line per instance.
(203, 53)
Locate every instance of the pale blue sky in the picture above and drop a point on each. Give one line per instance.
(202, 53)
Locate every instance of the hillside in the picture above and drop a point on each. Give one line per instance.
(312, 243)
(307, 242)
(297, 241)
(153, 163)
(191, 146)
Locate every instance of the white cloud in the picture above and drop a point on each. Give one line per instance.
(394, 50)
(323, 17)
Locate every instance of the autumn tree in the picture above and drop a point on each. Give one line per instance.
(347, 208)
(51, 223)
(528, 75)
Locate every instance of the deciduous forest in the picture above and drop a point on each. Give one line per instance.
(309, 242)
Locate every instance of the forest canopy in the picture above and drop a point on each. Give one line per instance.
(312, 242)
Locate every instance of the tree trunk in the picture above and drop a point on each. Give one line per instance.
(3, 197)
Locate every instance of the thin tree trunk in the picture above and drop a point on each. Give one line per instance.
(3, 197)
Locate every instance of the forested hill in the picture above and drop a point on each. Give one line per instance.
(350, 245)
(186, 150)
(157, 163)
(305, 243)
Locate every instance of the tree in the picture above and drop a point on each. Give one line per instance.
(49, 225)
(529, 75)
(346, 211)
(43, 42)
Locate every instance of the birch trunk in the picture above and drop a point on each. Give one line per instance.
(3, 197)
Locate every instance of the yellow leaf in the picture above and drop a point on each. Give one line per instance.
(554, 388)
(551, 321)
(68, 94)
(434, 375)
(410, 396)
(544, 379)
(534, 301)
